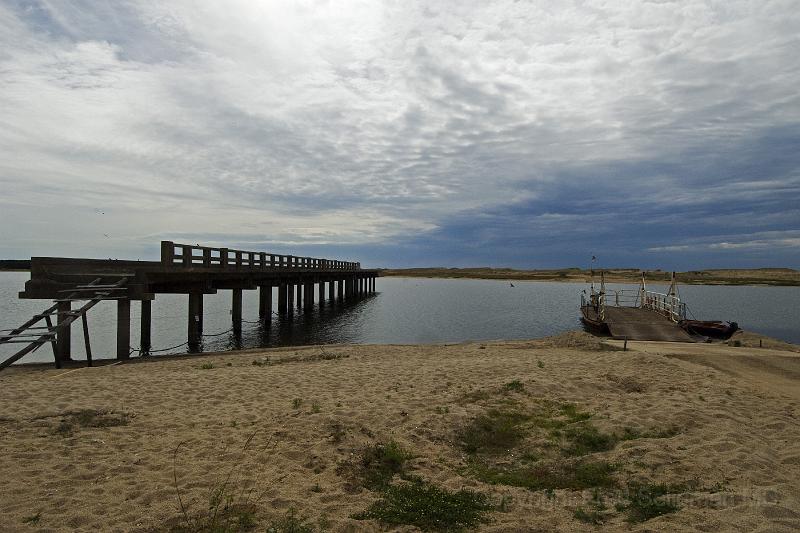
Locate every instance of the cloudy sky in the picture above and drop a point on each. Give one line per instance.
(525, 134)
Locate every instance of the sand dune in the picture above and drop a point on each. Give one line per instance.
(734, 409)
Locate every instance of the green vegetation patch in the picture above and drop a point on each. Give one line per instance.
(377, 465)
(495, 432)
(646, 501)
(583, 439)
(429, 508)
(547, 475)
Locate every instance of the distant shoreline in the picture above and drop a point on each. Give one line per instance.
(775, 277)
(779, 277)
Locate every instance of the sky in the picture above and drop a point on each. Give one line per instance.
(401, 133)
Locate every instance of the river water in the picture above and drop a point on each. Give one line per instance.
(404, 311)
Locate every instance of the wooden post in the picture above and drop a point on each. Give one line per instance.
(145, 327)
(321, 287)
(331, 290)
(236, 311)
(290, 297)
(265, 303)
(53, 343)
(299, 295)
(282, 298)
(123, 329)
(340, 283)
(195, 322)
(86, 339)
(63, 336)
(308, 296)
(167, 253)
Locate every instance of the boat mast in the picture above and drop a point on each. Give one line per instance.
(642, 290)
(673, 286)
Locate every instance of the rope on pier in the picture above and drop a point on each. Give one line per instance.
(158, 351)
(140, 352)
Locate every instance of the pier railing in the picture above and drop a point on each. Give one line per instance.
(175, 255)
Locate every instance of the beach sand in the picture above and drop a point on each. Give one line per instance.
(734, 442)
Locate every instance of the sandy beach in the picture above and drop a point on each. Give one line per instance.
(285, 431)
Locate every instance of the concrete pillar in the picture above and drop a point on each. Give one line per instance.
(64, 335)
(123, 329)
(265, 303)
(236, 311)
(145, 328)
(195, 322)
(282, 298)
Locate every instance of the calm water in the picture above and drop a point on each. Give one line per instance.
(405, 310)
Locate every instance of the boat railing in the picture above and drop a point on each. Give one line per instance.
(665, 304)
(668, 305)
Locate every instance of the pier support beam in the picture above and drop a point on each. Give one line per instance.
(340, 283)
(289, 297)
(321, 287)
(308, 296)
(64, 335)
(123, 329)
(195, 326)
(299, 295)
(282, 299)
(331, 291)
(236, 311)
(265, 304)
(145, 328)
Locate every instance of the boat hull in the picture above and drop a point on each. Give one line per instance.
(714, 329)
(591, 320)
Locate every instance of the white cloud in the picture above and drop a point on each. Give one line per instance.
(325, 122)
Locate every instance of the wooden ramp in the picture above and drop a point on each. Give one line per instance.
(637, 324)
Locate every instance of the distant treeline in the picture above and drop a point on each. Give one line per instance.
(760, 276)
(15, 264)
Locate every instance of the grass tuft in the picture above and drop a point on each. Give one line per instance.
(290, 523)
(90, 418)
(583, 439)
(207, 366)
(429, 508)
(494, 432)
(231, 505)
(380, 462)
(32, 519)
(647, 501)
(514, 386)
